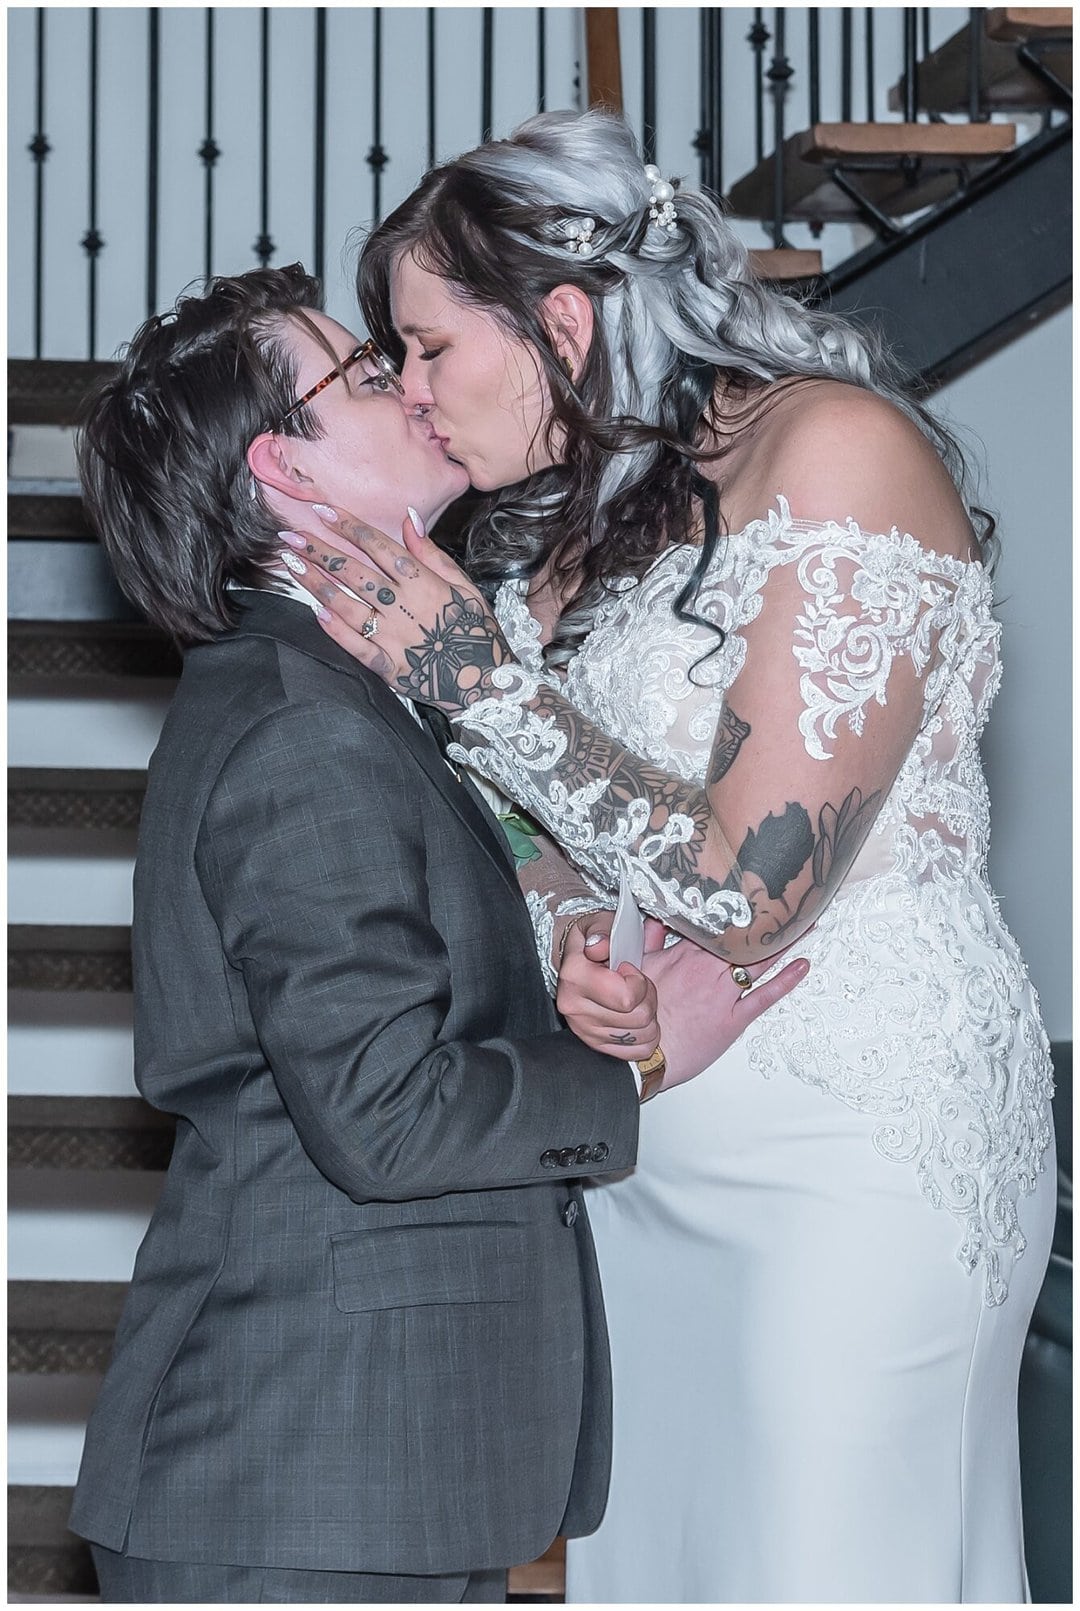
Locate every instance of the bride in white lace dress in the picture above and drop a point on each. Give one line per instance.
(770, 656)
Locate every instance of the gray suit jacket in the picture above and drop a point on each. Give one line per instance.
(365, 1328)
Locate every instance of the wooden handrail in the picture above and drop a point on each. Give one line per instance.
(602, 61)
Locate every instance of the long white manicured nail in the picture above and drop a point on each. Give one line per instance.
(418, 524)
(324, 511)
(292, 563)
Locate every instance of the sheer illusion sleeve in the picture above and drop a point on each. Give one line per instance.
(846, 651)
(555, 890)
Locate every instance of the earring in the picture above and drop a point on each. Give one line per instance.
(568, 361)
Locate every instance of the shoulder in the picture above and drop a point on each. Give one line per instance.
(840, 453)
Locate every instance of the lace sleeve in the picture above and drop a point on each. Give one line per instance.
(555, 890)
(851, 646)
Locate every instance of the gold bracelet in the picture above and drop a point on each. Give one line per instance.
(574, 923)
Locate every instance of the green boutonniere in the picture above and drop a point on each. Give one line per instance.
(520, 831)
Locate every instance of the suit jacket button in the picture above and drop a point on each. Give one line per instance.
(566, 1157)
(600, 1152)
(583, 1155)
(549, 1159)
(569, 1214)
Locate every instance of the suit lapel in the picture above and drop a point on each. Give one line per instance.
(267, 615)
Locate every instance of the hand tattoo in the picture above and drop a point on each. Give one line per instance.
(452, 665)
(625, 1039)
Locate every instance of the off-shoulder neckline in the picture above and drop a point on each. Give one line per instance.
(777, 519)
(780, 516)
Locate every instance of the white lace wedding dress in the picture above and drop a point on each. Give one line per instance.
(820, 1275)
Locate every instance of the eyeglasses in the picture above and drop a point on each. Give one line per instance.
(367, 352)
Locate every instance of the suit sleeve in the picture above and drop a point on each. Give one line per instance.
(312, 859)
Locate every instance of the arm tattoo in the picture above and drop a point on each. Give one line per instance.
(610, 808)
(782, 850)
(726, 746)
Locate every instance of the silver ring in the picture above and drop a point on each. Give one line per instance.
(371, 625)
(741, 976)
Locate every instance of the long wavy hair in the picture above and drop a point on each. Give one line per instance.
(676, 313)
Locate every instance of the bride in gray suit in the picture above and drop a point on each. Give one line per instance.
(363, 1357)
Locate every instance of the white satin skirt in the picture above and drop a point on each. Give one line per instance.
(812, 1403)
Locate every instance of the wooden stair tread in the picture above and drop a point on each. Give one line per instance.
(92, 1133)
(835, 142)
(43, 1555)
(62, 1328)
(120, 1113)
(785, 263)
(50, 391)
(1005, 84)
(47, 653)
(58, 797)
(874, 153)
(64, 956)
(47, 515)
(1028, 22)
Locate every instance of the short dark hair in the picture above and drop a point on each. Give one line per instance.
(162, 447)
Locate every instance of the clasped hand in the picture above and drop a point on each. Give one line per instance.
(416, 620)
(682, 998)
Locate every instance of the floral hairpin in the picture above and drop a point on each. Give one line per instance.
(661, 201)
(579, 233)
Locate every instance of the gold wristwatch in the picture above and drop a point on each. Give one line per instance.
(651, 1071)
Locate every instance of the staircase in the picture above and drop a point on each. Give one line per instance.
(972, 217)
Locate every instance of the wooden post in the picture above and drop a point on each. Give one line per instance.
(603, 67)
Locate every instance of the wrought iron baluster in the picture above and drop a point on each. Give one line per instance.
(779, 75)
(911, 68)
(264, 246)
(869, 15)
(975, 27)
(39, 149)
(92, 241)
(153, 157)
(925, 31)
(431, 86)
(486, 70)
(648, 82)
(541, 59)
(319, 228)
(813, 52)
(757, 39)
(209, 151)
(716, 123)
(376, 157)
(846, 64)
(706, 102)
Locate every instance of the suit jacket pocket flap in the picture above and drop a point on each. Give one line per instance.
(402, 1266)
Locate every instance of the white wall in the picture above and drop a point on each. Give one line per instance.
(1017, 407)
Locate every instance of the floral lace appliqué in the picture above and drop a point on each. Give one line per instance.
(917, 1009)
